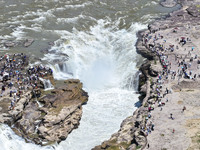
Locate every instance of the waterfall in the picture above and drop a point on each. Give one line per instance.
(105, 61)
(47, 84)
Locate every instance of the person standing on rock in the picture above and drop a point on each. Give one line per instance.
(167, 91)
(171, 116)
(173, 131)
(10, 93)
(3, 89)
(12, 105)
(152, 127)
(184, 108)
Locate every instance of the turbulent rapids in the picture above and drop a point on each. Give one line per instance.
(94, 42)
(105, 61)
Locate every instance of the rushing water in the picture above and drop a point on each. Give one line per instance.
(99, 37)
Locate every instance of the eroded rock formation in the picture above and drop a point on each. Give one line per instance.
(48, 118)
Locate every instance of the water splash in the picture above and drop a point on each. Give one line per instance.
(47, 84)
(104, 59)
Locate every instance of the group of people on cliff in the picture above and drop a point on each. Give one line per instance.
(182, 68)
(16, 76)
(182, 63)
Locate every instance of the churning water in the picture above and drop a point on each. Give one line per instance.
(99, 37)
(105, 61)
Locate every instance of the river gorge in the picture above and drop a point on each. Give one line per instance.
(93, 41)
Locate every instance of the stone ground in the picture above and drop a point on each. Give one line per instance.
(182, 132)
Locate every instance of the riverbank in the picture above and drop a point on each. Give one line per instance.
(38, 114)
(168, 117)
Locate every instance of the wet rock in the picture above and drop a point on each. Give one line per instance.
(52, 51)
(63, 54)
(9, 44)
(51, 43)
(56, 61)
(28, 42)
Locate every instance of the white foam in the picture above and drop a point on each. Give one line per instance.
(70, 20)
(13, 5)
(43, 15)
(60, 9)
(40, 15)
(151, 3)
(104, 60)
(10, 141)
(78, 5)
(47, 84)
(14, 12)
(101, 117)
(18, 32)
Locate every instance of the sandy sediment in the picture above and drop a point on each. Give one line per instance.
(168, 118)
